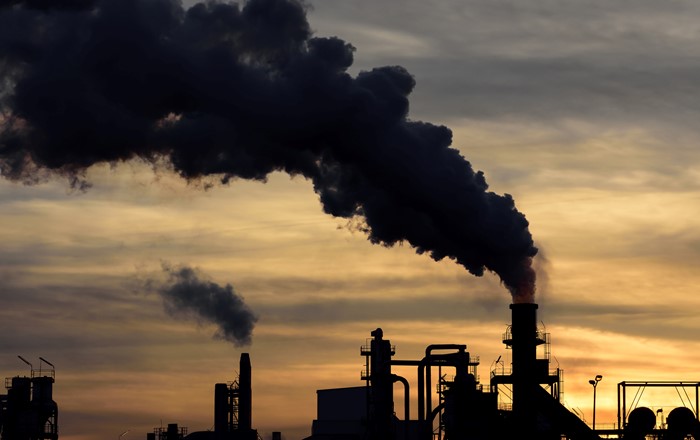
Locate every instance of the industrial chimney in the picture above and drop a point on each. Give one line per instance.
(524, 341)
(245, 399)
(233, 406)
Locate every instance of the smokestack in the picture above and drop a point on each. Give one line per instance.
(524, 345)
(221, 408)
(225, 91)
(245, 398)
(524, 333)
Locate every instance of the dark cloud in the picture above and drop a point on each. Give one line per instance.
(186, 294)
(236, 91)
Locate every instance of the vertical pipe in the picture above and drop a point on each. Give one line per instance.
(382, 401)
(221, 407)
(421, 390)
(245, 398)
(619, 423)
(524, 333)
(428, 373)
(406, 393)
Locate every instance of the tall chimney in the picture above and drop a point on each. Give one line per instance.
(245, 398)
(524, 345)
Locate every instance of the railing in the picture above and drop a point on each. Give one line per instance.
(8, 380)
(44, 373)
(366, 350)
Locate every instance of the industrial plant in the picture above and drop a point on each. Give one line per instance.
(28, 411)
(233, 412)
(520, 400)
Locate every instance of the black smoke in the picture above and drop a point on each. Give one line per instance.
(240, 91)
(185, 293)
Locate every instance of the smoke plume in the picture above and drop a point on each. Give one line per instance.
(185, 293)
(230, 91)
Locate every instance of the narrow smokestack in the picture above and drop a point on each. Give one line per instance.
(524, 345)
(524, 332)
(221, 408)
(245, 397)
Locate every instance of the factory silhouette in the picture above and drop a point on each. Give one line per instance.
(521, 400)
(175, 96)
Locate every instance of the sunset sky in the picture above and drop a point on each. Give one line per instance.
(585, 112)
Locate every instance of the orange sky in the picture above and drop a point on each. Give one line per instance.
(607, 174)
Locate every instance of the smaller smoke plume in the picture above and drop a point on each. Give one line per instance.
(185, 293)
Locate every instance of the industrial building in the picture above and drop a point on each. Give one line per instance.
(27, 411)
(519, 401)
(233, 412)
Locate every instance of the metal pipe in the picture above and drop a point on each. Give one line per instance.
(406, 402)
(406, 390)
(421, 389)
(428, 380)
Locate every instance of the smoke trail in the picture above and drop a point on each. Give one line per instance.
(240, 91)
(185, 293)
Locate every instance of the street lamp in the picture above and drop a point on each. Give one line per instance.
(594, 382)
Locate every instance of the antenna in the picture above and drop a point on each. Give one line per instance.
(47, 362)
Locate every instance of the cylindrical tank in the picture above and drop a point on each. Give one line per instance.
(20, 392)
(19, 421)
(680, 422)
(42, 390)
(640, 423)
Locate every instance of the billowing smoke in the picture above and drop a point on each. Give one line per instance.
(229, 91)
(186, 294)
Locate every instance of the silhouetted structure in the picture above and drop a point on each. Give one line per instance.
(172, 432)
(522, 401)
(27, 411)
(527, 407)
(233, 411)
(233, 405)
